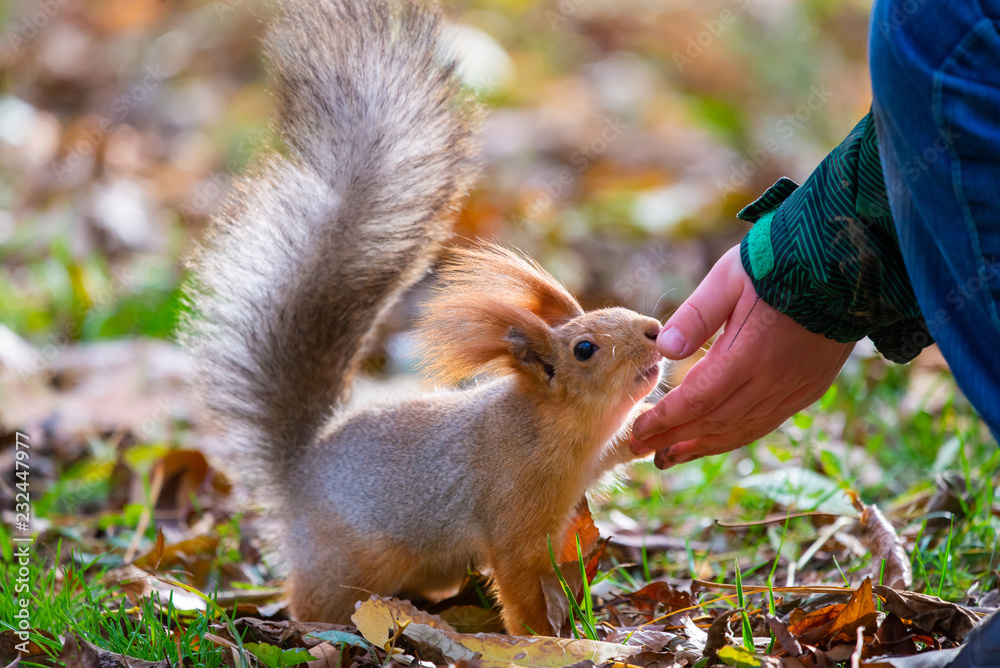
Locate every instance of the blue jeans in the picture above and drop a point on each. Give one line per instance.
(936, 83)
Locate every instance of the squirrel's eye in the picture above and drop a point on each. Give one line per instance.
(584, 350)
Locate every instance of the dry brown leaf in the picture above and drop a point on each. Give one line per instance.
(929, 614)
(184, 473)
(79, 653)
(328, 655)
(286, 634)
(660, 598)
(500, 651)
(378, 619)
(10, 641)
(893, 637)
(802, 622)
(718, 633)
(784, 636)
(472, 619)
(881, 539)
(195, 555)
(859, 612)
(556, 603)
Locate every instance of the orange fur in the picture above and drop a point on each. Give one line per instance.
(486, 292)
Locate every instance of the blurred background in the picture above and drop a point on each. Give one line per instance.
(623, 137)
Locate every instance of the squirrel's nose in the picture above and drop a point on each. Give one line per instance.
(652, 330)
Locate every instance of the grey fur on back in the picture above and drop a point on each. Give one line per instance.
(312, 248)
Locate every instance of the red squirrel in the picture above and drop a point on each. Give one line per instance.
(295, 274)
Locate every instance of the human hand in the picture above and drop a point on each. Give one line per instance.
(750, 381)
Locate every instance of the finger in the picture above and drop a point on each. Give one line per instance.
(730, 414)
(710, 382)
(705, 311)
(715, 444)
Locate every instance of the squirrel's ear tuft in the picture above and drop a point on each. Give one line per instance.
(494, 312)
(492, 270)
(462, 336)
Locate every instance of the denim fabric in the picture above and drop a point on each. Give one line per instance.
(936, 83)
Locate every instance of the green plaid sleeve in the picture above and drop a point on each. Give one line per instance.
(826, 253)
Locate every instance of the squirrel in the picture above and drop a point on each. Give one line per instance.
(295, 274)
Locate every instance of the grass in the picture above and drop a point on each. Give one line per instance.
(582, 611)
(75, 600)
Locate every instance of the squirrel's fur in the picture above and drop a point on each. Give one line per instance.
(296, 273)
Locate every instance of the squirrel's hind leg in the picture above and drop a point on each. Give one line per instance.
(338, 567)
(333, 567)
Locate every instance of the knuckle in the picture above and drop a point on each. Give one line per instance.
(699, 406)
(694, 315)
(715, 425)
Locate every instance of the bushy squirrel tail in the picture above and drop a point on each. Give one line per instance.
(312, 248)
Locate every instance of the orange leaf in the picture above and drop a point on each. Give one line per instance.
(859, 611)
(581, 525)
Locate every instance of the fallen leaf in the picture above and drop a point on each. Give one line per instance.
(194, 555)
(929, 614)
(652, 641)
(582, 525)
(802, 622)
(738, 657)
(79, 653)
(893, 637)
(859, 612)
(784, 636)
(557, 604)
(657, 599)
(329, 655)
(378, 618)
(9, 642)
(498, 651)
(982, 650)
(287, 633)
(881, 539)
(473, 619)
(718, 634)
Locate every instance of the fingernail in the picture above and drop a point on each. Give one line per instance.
(663, 459)
(672, 342)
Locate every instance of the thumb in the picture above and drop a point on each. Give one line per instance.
(706, 310)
